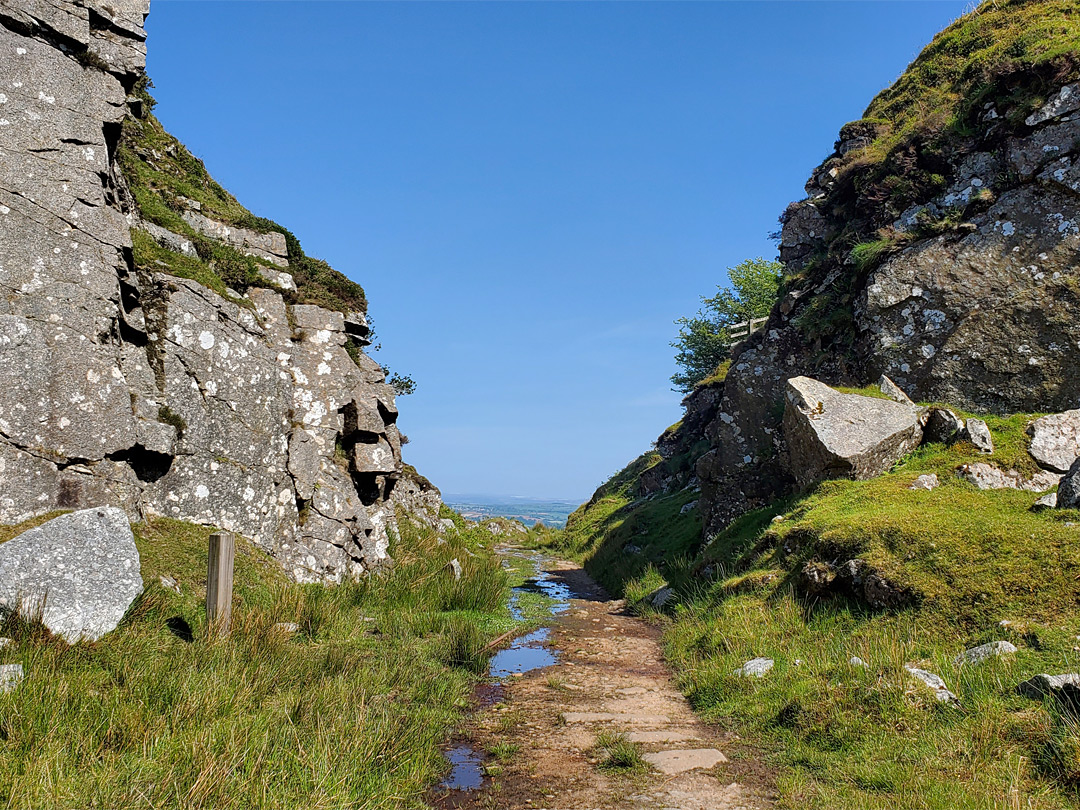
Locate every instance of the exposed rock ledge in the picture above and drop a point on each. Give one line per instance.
(153, 393)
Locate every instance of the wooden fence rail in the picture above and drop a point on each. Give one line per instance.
(740, 331)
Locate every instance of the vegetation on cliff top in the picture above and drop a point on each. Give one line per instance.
(842, 734)
(348, 711)
(162, 175)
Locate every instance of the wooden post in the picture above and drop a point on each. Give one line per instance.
(219, 577)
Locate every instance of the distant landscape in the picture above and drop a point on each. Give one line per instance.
(527, 510)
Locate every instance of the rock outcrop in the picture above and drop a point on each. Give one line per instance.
(78, 573)
(172, 367)
(962, 285)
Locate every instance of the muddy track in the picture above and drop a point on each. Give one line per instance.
(604, 672)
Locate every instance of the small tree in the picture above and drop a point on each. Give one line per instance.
(704, 340)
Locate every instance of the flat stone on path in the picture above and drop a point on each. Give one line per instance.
(612, 717)
(687, 759)
(653, 737)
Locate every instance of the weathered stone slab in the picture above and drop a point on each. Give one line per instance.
(268, 246)
(79, 572)
(1055, 440)
(681, 761)
(835, 435)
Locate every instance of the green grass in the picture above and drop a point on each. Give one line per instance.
(618, 754)
(868, 738)
(159, 171)
(350, 711)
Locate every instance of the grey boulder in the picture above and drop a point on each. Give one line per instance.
(79, 572)
(979, 654)
(1068, 494)
(1055, 440)
(835, 435)
(978, 434)
(942, 425)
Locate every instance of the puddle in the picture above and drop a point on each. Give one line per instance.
(466, 769)
(525, 654)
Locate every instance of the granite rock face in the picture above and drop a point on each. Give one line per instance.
(78, 572)
(140, 390)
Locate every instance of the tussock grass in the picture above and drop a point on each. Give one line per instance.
(618, 754)
(348, 712)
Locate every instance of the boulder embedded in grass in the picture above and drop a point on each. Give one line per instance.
(79, 573)
(1068, 494)
(942, 425)
(1055, 440)
(978, 433)
(979, 654)
(934, 682)
(11, 675)
(755, 668)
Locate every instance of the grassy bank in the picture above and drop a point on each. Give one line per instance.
(349, 711)
(843, 734)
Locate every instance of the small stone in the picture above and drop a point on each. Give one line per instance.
(11, 675)
(661, 597)
(287, 628)
(928, 482)
(978, 434)
(855, 661)
(984, 651)
(941, 692)
(893, 391)
(5, 642)
(688, 507)
(455, 566)
(170, 583)
(1047, 501)
(755, 668)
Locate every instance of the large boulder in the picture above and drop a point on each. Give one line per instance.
(835, 435)
(1055, 440)
(79, 572)
(1068, 494)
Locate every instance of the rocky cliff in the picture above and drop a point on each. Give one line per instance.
(161, 349)
(939, 244)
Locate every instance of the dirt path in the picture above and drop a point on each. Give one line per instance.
(608, 675)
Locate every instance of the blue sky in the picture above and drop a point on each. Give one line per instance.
(530, 193)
